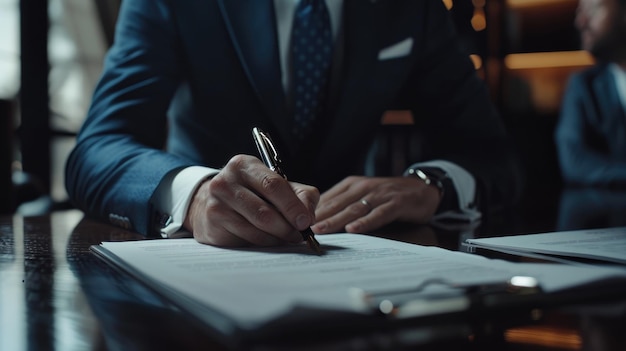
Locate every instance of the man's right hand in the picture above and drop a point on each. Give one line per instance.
(248, 204)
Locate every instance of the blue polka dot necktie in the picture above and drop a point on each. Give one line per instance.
(311, 49)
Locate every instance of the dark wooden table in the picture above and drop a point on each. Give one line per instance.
(56, 295)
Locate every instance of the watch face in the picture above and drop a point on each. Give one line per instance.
(420, 174)
(429, 176)
(434, 173)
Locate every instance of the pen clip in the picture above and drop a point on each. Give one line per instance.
(267, 151)
(412, 302)
(272, 161)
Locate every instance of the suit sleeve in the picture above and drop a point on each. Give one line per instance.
(452, 105)
(580, 159)
(119, 160)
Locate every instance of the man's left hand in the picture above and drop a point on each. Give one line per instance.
(362, 204)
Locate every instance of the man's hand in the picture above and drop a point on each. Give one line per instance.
(246, 203)
(362, 204)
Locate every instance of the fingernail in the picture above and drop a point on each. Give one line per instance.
(302, 221)
(320, 227)
(354, 227)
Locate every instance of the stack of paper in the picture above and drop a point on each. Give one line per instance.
(239, 291)
(607, 245)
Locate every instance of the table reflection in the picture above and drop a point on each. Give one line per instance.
(132, 317)
(41, 304)
(587, 208)
(603, 327)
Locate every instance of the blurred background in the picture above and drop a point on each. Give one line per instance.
(51, 54)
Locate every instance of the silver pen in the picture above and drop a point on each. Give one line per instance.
(270, 157)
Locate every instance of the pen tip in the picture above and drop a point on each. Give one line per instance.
(314, 245)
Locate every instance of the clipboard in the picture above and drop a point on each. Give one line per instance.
(482, 301)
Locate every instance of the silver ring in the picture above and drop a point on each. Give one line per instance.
(366, 204)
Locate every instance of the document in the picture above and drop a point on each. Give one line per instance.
(249, 289)
(607, 245)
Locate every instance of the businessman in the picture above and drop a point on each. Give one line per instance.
(167, 144)
(591, 133)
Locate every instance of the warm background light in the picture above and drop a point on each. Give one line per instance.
(532, 4)
(549, 337)
(477, 61)
(548, 60)
(546, 74)
(478, 20)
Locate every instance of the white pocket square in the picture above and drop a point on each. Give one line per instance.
(400, 49)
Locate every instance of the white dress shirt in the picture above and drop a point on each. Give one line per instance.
(175, 192)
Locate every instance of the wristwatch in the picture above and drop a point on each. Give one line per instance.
(430, 176)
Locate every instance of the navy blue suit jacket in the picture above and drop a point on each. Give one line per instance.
(591, 133)
(186, 80)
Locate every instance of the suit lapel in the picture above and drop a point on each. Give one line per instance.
(252, 27)
(611, 105)
(363, 28)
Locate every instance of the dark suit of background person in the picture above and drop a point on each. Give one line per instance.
(186, 81)
(591, 133)
(591, 207)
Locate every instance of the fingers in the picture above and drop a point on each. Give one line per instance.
(344, 203)
(293, 202)
(309, 196)
(364, 204)
(212, 221)
(246, 203)
(361, 210)
(376, 218)
(345, 193)
(231, 230)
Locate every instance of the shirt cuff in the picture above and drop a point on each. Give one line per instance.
(173, 196)
(465, 187)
